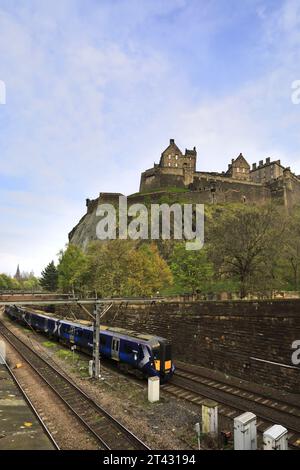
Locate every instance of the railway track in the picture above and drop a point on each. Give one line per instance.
(234, 400)
(108, 431)
(31, 406)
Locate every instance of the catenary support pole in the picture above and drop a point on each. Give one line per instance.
(96, 339)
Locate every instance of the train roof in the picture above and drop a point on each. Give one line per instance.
(111, 330)
(144, 337)
(131, 333)
(38, 312)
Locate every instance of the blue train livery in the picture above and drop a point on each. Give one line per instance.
(142, 354)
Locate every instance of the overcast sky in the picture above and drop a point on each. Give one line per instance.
(96, 88)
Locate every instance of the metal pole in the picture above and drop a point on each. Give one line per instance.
(198, 432)
(96, 336)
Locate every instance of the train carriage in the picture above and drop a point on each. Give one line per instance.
(143, 354)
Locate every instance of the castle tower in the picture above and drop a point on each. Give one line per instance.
(174, 169)
(171, 157)
(239, 168)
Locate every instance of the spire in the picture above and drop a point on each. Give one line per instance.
(18, 273)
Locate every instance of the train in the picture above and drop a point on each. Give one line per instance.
(144, 355)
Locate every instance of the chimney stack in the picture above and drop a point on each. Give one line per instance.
(253, 166)
(172, 141)
(261, 162)
(267, 160)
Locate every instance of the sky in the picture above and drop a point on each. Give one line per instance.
(96, 88)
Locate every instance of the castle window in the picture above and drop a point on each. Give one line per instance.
(170, 157)
(176, 156)
(176, 164)
(169, 164)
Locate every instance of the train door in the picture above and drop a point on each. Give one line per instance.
(115, 349)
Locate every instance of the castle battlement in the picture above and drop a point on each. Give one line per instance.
(264, 181)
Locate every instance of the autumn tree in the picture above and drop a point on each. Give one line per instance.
(125, 268)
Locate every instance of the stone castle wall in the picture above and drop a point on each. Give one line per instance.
(212, 189)
(161, 179)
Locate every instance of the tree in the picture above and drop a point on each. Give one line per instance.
(30, 283)
(125, 268)
(71, 269)
(49, 277)
(5, 281)
(149, 272)
(9, 283)
(291, 250)
(191, 269)
(244, 245)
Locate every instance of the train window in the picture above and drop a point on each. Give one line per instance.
(128, 349)
(156, 353)
(115, 345)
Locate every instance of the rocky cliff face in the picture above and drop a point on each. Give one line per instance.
(209, 193)
(85, 231)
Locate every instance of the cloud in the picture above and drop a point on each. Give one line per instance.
(96, 89)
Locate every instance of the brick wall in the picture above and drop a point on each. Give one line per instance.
(225, 335)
